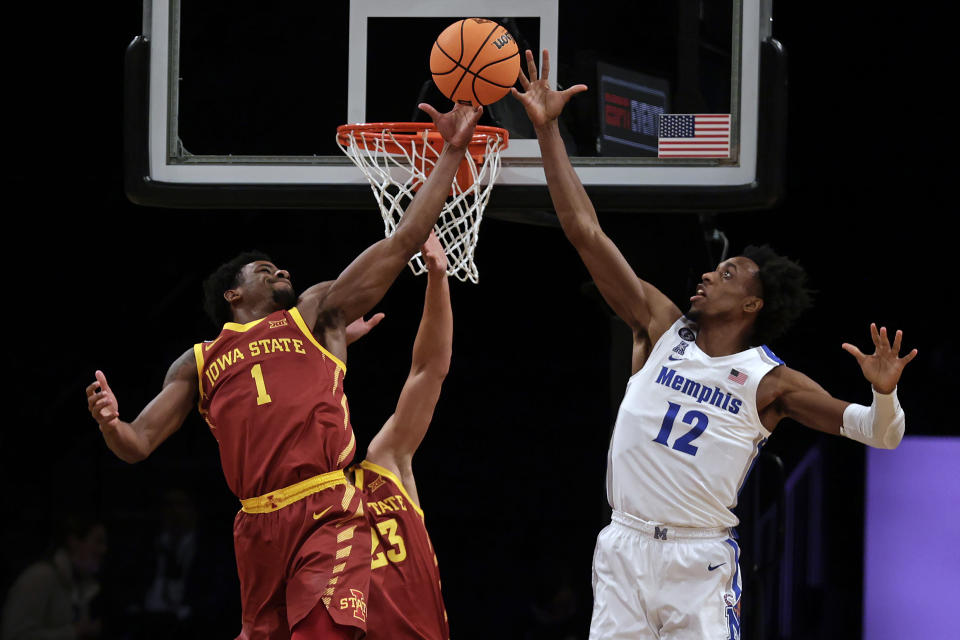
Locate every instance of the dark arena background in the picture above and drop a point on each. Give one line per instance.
(511, 474)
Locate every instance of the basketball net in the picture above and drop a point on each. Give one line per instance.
(397, 158)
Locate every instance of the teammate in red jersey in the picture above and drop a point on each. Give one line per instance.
(271, 389)
(405, 600)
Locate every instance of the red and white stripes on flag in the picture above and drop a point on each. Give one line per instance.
(737, 376)
(693, 136)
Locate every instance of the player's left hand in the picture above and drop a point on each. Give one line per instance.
(433, 256)
(884, 367)
(360, 327)
(543, 104)
(457, 125)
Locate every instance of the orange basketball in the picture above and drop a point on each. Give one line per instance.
(475, 61)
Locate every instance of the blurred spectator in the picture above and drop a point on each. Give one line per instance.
(51, 599)
(185, 581)
(176, 548)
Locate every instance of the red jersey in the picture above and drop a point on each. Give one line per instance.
(405, 601)
(274, 400)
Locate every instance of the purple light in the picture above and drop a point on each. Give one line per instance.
(912, 540)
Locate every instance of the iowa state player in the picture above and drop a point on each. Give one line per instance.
(703, 398)
(271, 389)
(405, 601)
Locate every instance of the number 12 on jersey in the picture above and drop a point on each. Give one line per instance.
(696, 419)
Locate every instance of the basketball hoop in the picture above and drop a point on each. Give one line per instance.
(397, 158)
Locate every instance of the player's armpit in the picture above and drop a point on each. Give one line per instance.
(364, 282)
(382, 450)
(309, 301)
(663, 312)
(389, 450)
(787, 393)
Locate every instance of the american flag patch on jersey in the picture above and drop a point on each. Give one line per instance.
(737, 376)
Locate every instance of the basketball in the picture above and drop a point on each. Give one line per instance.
(475, 62)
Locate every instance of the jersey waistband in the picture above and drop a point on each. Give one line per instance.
(288, 495)
(668, 531)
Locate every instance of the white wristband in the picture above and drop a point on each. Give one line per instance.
(880, 425)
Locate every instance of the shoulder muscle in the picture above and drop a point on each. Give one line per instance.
(183, 368)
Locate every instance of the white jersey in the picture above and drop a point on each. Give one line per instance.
(687, 433)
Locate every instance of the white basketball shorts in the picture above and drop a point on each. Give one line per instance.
(663, 582)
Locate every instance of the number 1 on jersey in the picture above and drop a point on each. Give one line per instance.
(262, 396)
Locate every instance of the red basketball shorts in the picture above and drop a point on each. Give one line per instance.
(293, 552)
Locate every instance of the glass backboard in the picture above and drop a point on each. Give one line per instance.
(235, 104)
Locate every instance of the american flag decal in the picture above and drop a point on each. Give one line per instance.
(694, 136)
(737, 376)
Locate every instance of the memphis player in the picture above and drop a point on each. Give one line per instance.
(701, 402)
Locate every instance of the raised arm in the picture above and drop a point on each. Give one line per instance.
(393, 447)
(786, 393)
(364, 282)
(643, 307)
(134, 441)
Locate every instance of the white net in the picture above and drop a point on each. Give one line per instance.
(396, 162)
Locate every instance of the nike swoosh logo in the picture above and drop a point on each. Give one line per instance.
(317, 516)
(207, 346)
(710, 567)
(672, 358)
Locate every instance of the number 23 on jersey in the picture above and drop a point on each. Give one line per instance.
(396, 553)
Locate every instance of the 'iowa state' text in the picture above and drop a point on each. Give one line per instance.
(255, 348)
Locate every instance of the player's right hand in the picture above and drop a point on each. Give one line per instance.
(457, 125)
(102, 403)
(433, 256)
(542, 103)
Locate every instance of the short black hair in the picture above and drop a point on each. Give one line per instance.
(225, 277)
(783, 284)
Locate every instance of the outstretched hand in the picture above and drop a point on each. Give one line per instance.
(433, 256)
(542, 103)
(102, 403)
(884, 367)
(360, 327)
(457, 125)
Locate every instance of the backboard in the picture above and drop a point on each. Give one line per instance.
(236, 104)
